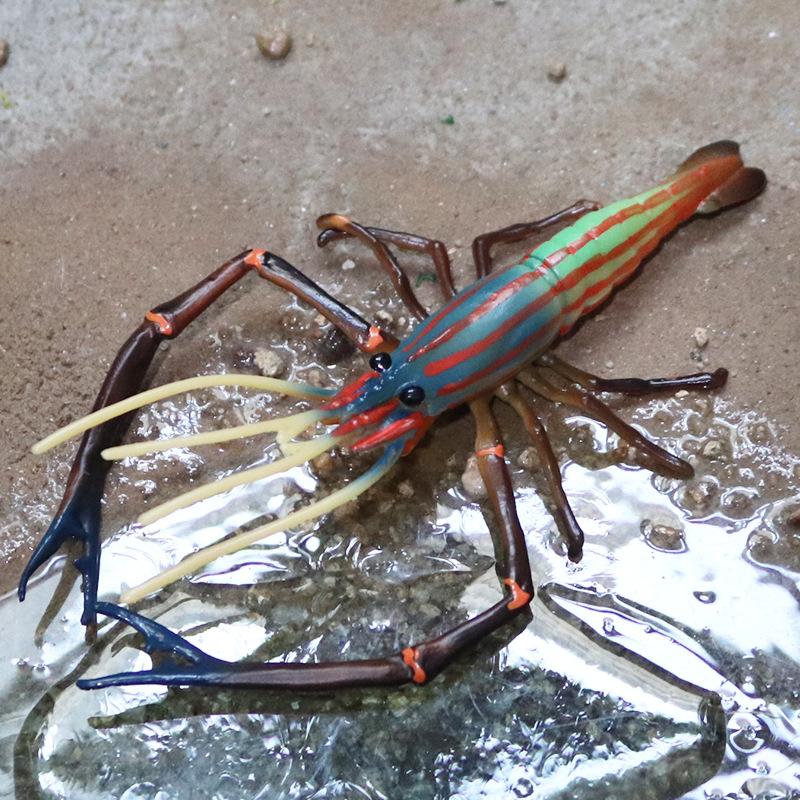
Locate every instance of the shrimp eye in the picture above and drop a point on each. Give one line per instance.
(411, 395)
(380, 362)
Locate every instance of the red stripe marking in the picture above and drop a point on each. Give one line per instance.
(366, 418)
(475, 349)
(411, 659)
(495, 450)
(662, 224)
(510, 355)
(602, 287)
(555, 258)
(457, 301)
(657, 199)
(389, 432)
(519, 597)
(684, 183)
(164, 325)
(494, 299)
(350, 392)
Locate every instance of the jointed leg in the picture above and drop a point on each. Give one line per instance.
(482, 245)
(418, 664)
(335, 225)
(78, 515)
(563, 515)
(334, 228)
(277, 270)
(664, 461)
(633, 386)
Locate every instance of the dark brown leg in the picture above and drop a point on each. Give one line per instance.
(482, 245)
(78, 515)
(633, 386)
(368, 338)
(563, 514)
(664, 461)
(337, 225)
(417, 664)
(436, 250)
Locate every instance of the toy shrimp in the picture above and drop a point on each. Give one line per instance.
(489, 341)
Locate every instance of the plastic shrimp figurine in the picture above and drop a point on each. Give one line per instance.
(490, 340)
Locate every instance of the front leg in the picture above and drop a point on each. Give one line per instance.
(79, 517)
(79, 514)
(180, 663)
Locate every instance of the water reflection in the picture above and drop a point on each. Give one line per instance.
(686, 592)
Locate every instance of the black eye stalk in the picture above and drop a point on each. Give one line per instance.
(380, 362)
(411, 395)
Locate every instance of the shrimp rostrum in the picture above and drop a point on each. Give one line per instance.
(490, 341)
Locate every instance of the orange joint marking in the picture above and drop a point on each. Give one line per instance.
(164, 325)
(411, 659)
(254, 258)
(519, 597)
(495, 450)
(375, 338)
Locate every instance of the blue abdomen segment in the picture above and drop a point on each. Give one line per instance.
(481, 337)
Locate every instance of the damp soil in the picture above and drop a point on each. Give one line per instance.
(143, 144)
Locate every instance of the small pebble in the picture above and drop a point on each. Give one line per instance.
(712, 449)
(323, 463)
(472, 481)
(557, 71)
(664, 537)
(528, 459)
(275, 45)
(268, 362)
(405, 489)
(3, 52)
(315, 377)
(700, 336)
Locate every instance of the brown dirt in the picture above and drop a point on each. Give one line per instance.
(143, 145)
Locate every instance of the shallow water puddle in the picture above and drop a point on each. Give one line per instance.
(687, 591)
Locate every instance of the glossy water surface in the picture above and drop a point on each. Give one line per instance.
(664, 665)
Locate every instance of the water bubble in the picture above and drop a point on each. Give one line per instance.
(523, 788)
(609, 629)
(663, 538)
(747, 733)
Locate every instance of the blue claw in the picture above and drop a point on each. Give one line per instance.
(201, 669)
(79, 520)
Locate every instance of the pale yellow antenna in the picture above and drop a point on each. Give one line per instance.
(300, 452)
(286, 428)
(290, 388)
(246, 538)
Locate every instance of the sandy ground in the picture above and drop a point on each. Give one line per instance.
(142, 144)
